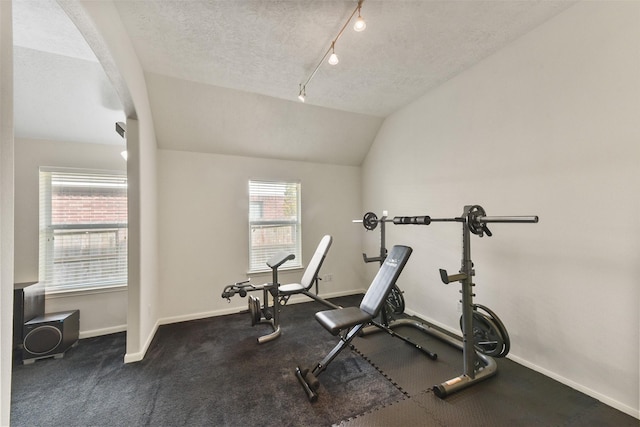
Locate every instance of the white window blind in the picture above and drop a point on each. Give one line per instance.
(274, 222)
(83, 230)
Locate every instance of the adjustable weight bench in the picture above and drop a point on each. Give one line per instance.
(310, 276)
(278, 293)
(353, 319)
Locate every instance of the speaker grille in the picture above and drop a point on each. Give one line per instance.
(42, 339)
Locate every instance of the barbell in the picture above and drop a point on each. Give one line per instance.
(475, 218)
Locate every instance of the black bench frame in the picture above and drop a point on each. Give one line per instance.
(353, 319)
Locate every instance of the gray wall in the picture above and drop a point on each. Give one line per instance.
(547, 126)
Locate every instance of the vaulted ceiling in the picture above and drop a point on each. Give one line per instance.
(223, 76)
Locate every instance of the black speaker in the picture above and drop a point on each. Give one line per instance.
(50, 335)
(28, 303)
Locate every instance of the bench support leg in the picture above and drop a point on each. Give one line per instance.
(308, 379)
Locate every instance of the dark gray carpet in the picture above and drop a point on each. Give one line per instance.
(203, 372)
(212, 372)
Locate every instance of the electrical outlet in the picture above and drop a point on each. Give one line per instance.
(328, 277)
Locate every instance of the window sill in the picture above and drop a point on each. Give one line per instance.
(268, 271)
(84, 291)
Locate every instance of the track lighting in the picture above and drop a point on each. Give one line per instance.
(333, 59)
(359, 25)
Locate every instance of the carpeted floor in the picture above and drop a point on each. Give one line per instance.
(211, 372)
(203, 372)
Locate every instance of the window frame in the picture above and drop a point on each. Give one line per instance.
(254, 265)
(48, 231)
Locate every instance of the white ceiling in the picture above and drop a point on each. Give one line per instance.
(60, 90)
(265, 49)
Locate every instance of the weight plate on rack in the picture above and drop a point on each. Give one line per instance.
(370, 221)
(395, 301)
(254, 310)
(474, 225)
(501, 327)
(487, 338)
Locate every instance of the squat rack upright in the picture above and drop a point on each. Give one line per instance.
(477, 366)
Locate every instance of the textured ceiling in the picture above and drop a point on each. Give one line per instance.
(197, 53)
(269, 47)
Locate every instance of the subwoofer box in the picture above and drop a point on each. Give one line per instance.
(50, 335)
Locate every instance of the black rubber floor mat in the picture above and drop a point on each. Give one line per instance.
(405, 413)
(406, 366)
(515, 396)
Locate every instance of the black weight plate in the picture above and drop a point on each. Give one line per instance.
(370, 221)
(395, 301)
(486, 335)
(474, 226)
(501, 327)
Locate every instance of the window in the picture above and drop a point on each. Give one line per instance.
(274, 222)
(83, 230)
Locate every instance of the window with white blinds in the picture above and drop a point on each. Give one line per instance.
(83, 230)
(274, 222)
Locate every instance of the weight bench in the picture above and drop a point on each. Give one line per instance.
(278, 293)
(353, 319)
(310, 276)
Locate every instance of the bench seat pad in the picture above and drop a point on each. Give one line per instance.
(291, 288)
(336, 320)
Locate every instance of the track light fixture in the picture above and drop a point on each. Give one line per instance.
(333, 59)
(302, 94)
(359, 25)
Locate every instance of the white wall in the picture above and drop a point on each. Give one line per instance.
(101, 312)
(6, 209)
(100, 23)
(548, 126)
(203, 213)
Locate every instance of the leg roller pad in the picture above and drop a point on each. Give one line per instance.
(309, 383)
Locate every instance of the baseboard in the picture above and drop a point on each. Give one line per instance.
(634, 412)
(442, 326)
(104, 331)
(201, 315)
(295, 299)
(138, 356)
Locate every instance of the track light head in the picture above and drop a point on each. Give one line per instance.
(302, 94)
(360, 25)
(333, 59)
